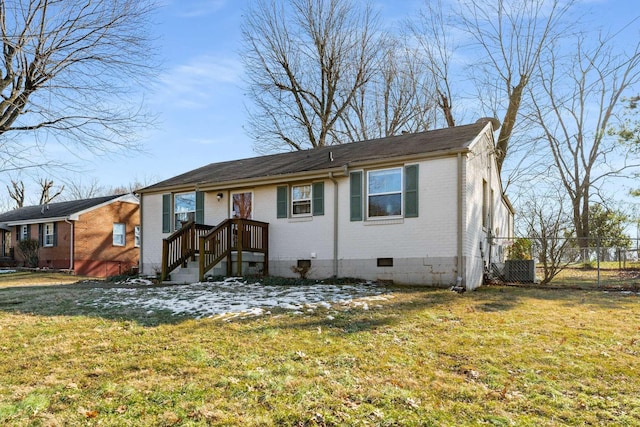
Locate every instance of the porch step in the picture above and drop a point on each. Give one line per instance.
(252, 263)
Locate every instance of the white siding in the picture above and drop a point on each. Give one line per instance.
(151, 233)
(481, 167)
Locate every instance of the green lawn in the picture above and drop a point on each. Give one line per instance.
(497, 356)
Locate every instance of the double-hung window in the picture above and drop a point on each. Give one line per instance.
(24, 232)
(184, 209)
(301, 199)
(118, 234)
(48, 236)
(384, 193)
(136, 236)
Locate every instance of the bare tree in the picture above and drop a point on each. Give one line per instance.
(549, 228)
(575, 104)
(431, 30)
(69, 68)
(17, 192)
(45, 194)
(399, 97)
(78, 190)
(510, 37)
(305, 64)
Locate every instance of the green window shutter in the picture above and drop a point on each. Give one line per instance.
(356, 198)
(55, 234)
(318, 198)
(40, 235)
(282, 201)
(166, 213)
(199, 207)
(411, 191)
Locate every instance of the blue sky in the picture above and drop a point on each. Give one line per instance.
(198, 94)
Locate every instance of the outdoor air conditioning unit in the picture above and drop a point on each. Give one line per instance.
(520, 270)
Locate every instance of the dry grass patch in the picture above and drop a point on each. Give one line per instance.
(30, 278)
(497, 356)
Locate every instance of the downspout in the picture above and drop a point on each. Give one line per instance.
(141, 245)
(460, 279)
(490, 206)
(71, 241)
(335, 224)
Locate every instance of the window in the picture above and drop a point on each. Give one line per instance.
(384, 192)
(136, 236)
(306, 200)
(301, 199)
(485, 209)
(118, 234)
(24, 232)
(242, 205)
(48, 237)
(184, 209)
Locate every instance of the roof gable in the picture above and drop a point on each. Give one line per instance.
(60, 210)
(454, 139)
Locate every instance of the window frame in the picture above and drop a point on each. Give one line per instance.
(48, 239)
(24, 232)
(233, 199)
(369, 194)
(190, 215)
(308, 201)
(136, 236)
(123, 234)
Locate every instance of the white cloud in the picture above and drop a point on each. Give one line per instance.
(196, 9)
(197, 83)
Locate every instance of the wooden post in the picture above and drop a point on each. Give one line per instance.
(201, 260)
(265, 244)
(192, 242)
(165, 260)
(229, 246)
(240, 238)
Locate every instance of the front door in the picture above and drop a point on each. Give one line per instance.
(242, 205)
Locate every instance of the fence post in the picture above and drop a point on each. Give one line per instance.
(598, 257)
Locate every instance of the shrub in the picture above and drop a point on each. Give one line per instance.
(521, 249)
(29, 250)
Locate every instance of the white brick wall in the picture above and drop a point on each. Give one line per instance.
(424, 249)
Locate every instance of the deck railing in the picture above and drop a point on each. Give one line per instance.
(181, 245)
(233, 235)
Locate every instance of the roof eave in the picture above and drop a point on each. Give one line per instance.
(37, 221)
(342, 170)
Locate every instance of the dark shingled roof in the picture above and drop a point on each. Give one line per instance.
(53, 210)
(318, 159)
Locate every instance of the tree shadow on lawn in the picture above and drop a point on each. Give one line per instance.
(71, 300)
(501, 298)
(79, 300)
(75, 300)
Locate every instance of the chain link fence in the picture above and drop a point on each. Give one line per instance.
(564, 262)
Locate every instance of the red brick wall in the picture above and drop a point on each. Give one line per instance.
(95, 254)
(49, 257)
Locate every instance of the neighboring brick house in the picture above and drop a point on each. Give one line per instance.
(96, 237)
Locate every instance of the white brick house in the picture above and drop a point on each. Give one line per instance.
(415, 208)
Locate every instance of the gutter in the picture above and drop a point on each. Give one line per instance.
(335, 224)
